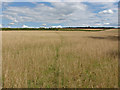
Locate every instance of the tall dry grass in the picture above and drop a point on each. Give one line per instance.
(49, 59)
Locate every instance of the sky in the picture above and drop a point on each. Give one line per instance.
(60, 13)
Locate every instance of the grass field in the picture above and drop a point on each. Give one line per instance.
(69, 59)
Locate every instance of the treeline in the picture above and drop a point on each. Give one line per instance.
(45, 29)
(53, 29)
(90, 27)
(12, 29)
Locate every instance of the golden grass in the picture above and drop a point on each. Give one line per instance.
(50, 59)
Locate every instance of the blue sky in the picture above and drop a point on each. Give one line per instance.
(37, 14)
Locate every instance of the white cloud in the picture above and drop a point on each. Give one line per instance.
(56, 26)
(24, 26)
(0, 25)
(11, 23)
(74, 14)
(109, 11)
(98, 24)
(9, 26)
(106, 23)
(41, 13)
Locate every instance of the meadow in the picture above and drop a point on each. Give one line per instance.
(60, 59)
